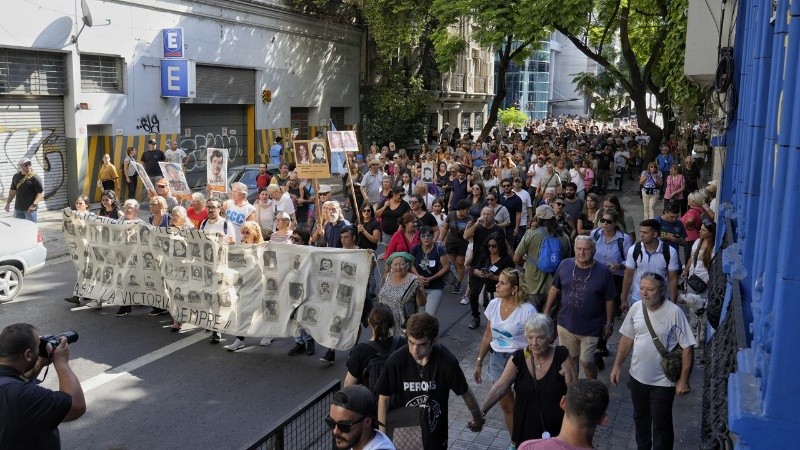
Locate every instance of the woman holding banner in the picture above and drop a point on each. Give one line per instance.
(108, 205)
(82, 211)
(251, 235)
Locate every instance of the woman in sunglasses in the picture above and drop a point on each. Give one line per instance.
(431, 264)
(369, 231)
(611, 249)
(391, 211)
(486, 272)
(282, 232)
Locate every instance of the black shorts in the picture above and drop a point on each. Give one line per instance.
(456, 247)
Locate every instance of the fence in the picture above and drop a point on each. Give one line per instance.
(305, 427)
(720, 353)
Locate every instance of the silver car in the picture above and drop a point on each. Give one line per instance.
(21, 252)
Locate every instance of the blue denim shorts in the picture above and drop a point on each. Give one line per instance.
(497, 363)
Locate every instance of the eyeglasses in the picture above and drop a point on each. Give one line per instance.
(296, 239)
(560, 203)
(343, 426)
(162, 186)
(606, 221)
(212, 207)
(426, 236)
(506, 185)
(366, 211)
(492, 246)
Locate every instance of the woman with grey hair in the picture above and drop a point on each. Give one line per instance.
(237, 209)
(692, 221)
(282, 232)
(540, 373)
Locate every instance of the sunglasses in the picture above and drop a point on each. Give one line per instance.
(559, 204)
(162, 186)
(366, 211)
(492, 245)
(606, 221)
(491, 199)
(426, 236)
(506, 185)
(343, 426)
(296, 239)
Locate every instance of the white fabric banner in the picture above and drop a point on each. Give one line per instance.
(244, 290)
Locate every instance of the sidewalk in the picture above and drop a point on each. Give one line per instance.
(619, 433)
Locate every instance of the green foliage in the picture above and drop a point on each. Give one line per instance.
(512, 117)
(395, 109)
(449, 47)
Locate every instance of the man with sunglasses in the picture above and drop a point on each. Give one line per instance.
(352, 419)
(513, 205)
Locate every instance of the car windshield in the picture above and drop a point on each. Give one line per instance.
(249, 178)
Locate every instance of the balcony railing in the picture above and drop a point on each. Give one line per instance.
(458, 82)
(479, 85)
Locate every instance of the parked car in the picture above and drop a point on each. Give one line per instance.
(21, 252)
(246, 174)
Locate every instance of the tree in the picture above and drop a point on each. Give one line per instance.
(394, 109)
(512, 117)
(606, 96)
(650, 34)
(502, 26)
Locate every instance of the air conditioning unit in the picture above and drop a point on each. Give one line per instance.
(702, 39)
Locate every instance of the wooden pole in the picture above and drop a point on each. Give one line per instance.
(352, 187)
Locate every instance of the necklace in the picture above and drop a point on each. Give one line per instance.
(585, 279)
(508, 307)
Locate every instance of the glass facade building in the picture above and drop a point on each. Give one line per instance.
(528, 84)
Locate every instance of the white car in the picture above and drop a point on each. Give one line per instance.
(21, 253)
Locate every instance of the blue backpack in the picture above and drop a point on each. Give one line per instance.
(549, 255)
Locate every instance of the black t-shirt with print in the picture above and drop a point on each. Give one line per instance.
(410, 385)
(27, 190)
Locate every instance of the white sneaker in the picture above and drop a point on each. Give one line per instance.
(96, 304)
(265, 341)
(464, 301)
(235, 345)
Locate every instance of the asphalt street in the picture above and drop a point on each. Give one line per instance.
(148, 388)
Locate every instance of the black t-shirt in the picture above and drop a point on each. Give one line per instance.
(495, 269)
(369, 227)
(427, 220)
(604, 161)
(430, 265)
(151, 160)
(514, 206)
(481, 236)
(301, 211)
(362, 353)
(26, 191)
(456, 227)
(30, 414)
(409, 386)
(390, 217)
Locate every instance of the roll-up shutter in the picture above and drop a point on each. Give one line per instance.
(224, 85)
(212, 126)
(33, 127)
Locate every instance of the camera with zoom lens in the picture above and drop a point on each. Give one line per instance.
(54, 341)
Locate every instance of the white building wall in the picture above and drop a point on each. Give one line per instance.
(304, 62)
(566, 62)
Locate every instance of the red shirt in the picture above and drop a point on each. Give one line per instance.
(262, 180)
(197, 217)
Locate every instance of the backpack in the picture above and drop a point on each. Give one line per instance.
(596, 237)
(549, 255)
(224, 225)
(375, 365)
(637, 252)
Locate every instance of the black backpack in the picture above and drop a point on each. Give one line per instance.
(376, 364)
(637, 252)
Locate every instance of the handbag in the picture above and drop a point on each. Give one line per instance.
(697, 284)
(672, 361)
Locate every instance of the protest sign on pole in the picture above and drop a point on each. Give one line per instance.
(311, 159)
(148, 185)
(173, 173)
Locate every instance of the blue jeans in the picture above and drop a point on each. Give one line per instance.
(434, 298)
(497, 363)
(304, 338)
(26, 215)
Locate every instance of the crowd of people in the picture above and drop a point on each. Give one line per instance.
(523, 226)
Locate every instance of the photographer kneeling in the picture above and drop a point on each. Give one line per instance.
(30, 414)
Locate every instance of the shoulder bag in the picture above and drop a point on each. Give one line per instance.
(672, 361)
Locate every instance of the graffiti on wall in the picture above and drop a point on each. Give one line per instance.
(45, 147)
(149, 124)
(195, 148)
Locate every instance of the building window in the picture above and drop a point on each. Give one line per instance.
(101, 74)
(337, 116)
(32, 73)
(478, 121)
(299, 119)
(464, 123)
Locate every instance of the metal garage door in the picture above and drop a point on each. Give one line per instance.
(214, 126)
(33, 127)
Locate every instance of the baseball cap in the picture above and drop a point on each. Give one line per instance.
(151, 141)
(23, 161)
(374, 161)
(545, 212)
(324, 188)
(359, 157)
(357, 398)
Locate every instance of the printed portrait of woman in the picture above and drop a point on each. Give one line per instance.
(301, 153)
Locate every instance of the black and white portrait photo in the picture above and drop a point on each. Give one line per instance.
(179, 249)
(163, 244)
(348, 270)
(177, 295)
(270, 260)
(324, 291)
(180, 273)
(108, 275)
(344, 294)
(271, 284)
(336, 325)
(119, 257)
(224, 299)
(144, 235)
(197, 273)
(194, 297)
(106, 235)
(296, 291)
(149, 283)
(207, 298)
(208, 253)
(270, 310)
(208, 279)
(309, 315)
(149, 261)
(194, 249)
(99, 254)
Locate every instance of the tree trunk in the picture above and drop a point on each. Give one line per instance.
(500, 95)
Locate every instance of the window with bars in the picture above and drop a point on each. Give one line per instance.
(32, 73)
(101, 74)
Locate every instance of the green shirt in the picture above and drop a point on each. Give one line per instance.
(536, 281)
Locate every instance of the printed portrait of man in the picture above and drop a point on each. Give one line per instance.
(208, 252)
(270, 260)
(336, 325)
(310, 315)
(216, 162)
(73, 250)
(344, 294)
(296, 291)
(149, 261)
(177, 295)
(108, 275)
(325, 290)
(271, 308)
(132, 281)
(148, 282)
(348, 270)
(195, 249)
(179, 249)
(194, 297)
(272, 285)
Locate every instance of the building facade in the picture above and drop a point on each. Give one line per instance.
(542, 84)
(68, 95)
(466, 90)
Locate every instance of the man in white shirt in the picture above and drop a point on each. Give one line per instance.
(649, 255)
(527, 206)
(371, 182)
(537, 171)
(421, 188)
(220, 226)
(621, 158)
(282, 199)
(652, 393)
(352, 419)
(176, 154)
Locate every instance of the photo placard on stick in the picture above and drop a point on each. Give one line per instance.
(217, 170)
(148, 185)
(173, 173)
(349, 141)
(312, 160)
(335, 141)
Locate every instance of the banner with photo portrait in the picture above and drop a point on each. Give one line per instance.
(245, 290)
(311, 158)
(217, 170)
(176, 180)
(148, 184)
